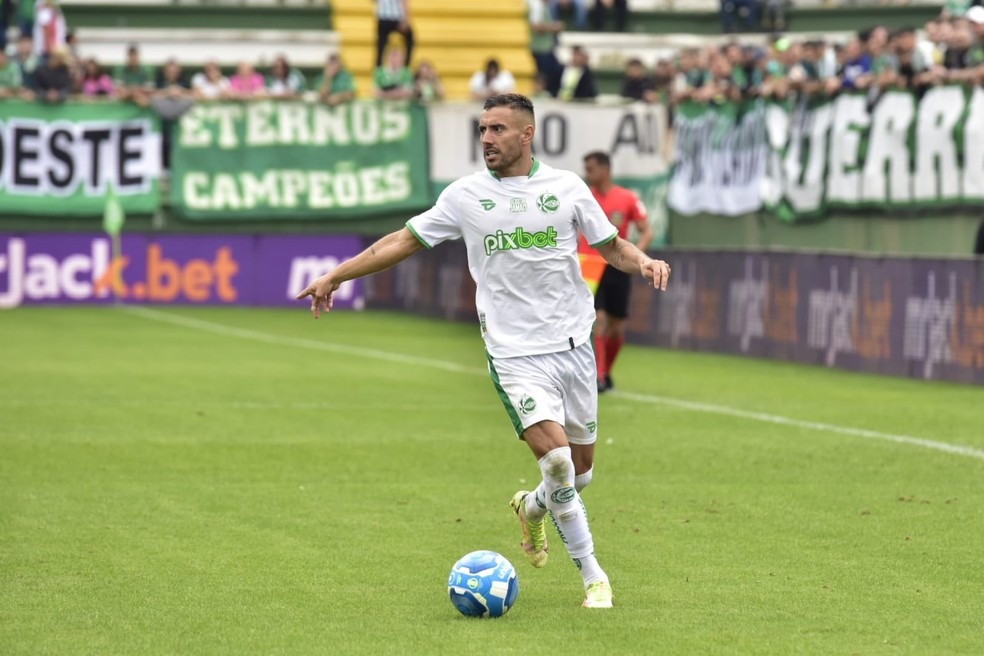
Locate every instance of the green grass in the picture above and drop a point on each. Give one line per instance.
(170, 490)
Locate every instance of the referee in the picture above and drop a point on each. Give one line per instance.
(623, 208)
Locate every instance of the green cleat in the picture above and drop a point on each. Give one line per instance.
(598, 595)
(534, 534)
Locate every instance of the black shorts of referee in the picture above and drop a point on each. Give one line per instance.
(612, 296)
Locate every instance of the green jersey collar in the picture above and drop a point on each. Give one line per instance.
(533, 170)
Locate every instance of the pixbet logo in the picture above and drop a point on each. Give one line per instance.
(520, 239)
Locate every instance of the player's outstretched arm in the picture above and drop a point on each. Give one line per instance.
(388, 251)
(625, 256)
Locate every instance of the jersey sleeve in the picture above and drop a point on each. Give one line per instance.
(440, 223)
(591, 219)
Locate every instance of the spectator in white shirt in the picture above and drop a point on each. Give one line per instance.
(50, 29)
(492, 81)
(210, 84)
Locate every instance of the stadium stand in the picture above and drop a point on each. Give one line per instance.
(703, 16)
(457, 37)
(195, 32)
(307, 48)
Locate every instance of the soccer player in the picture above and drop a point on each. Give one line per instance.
(623, 209)
(519, 220)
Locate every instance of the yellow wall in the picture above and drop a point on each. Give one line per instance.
(457, 37)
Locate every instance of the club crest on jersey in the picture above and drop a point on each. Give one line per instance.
(517, 205)
(487, 203)
(548, 203)
(520, 239)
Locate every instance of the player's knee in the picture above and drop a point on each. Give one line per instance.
(557, 465)
(582, 480)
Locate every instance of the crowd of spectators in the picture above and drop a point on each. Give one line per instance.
(59, 74)
(947, 50)
(44, 64)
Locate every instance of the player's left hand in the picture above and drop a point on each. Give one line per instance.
(657, 272)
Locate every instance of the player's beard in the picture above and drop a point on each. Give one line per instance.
(504, 160)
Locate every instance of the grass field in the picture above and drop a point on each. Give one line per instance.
(217, 481)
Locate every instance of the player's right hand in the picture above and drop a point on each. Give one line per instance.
(321, 292)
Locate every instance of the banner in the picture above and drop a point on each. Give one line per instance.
(62, 159)
(721, 152)
(901, 154)
(206, 270)
(896, 316)
(269, 160)
(922, 318)
(633, 135)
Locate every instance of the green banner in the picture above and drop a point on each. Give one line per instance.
(900, 154)
(268, 160)
(719, 158)
(63, 159)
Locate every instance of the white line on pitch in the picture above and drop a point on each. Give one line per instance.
(711, 408)
(693, 406)
(277, 340)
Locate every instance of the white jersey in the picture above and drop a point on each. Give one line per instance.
(521, 235)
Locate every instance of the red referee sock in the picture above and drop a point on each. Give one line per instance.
(612, 346)
(601, 356)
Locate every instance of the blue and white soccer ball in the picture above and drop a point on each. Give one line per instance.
(483, 584)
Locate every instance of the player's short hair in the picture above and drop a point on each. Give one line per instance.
(599, 157)
(514, 101)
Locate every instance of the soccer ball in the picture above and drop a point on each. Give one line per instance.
(483, 584)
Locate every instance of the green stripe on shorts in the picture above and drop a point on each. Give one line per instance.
(510, 410)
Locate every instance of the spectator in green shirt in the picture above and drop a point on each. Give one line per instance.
(134, 81)
(691, 74)
(335, 84)
(427, 83)
(28, 62)
(393, 80)
(10, 77)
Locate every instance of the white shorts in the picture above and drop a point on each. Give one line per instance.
(560, 387)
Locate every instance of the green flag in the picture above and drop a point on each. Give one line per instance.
(113, 216)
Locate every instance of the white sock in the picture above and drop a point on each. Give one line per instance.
(591, 571)
(536, 503)
(568, 512)
(581, 481)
